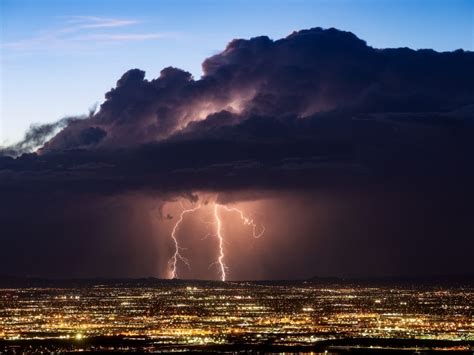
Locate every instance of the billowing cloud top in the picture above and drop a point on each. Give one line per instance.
(317, 99)
(307, 72)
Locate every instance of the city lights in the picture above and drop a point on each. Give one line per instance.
(205, 313)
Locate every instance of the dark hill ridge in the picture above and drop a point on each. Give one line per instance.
(332, 346)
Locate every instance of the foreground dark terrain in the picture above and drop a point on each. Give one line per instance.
(153, 315)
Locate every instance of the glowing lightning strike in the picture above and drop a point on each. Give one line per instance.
(177, 255)
(218, 223)
(220, 259)
(245, 219)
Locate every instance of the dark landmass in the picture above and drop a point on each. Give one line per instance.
(332, 346)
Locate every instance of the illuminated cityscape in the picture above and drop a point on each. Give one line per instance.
(179, 314)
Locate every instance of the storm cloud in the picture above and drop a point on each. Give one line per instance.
(318, 113)
(309, 71)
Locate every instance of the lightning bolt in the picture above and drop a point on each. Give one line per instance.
(247, 221)
(173, 262)
(220, 238)
(219, 235)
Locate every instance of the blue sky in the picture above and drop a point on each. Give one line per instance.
(58, 58)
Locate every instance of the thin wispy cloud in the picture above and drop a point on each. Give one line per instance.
(123, 37)
(94, 21)
(84, 22)
(74, 29)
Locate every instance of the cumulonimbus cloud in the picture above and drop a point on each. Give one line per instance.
(318, 101)
(378, 141)
(305, 73)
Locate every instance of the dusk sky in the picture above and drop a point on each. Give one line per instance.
(269, 140)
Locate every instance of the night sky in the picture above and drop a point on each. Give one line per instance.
(357, 161)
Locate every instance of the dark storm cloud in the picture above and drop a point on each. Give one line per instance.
(140, 111)
(316, 107)
(309, 71)
(262, 152)
(317, 112)
(315, 70)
